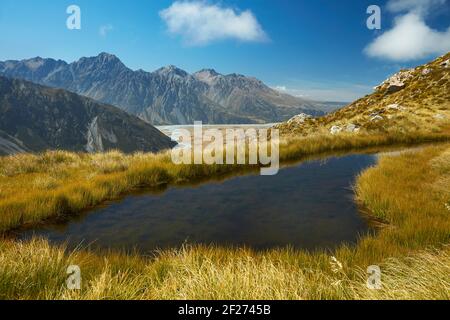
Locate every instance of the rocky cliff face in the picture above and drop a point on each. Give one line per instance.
(168, 95)
(252, 98)
(37, 118)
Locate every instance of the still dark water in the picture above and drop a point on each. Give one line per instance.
(307, 206)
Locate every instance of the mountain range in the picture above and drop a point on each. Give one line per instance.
(37, 118)
(168, 95)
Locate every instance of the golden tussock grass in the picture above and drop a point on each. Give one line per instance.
(36, 270)
(35, 187)
(407, 192)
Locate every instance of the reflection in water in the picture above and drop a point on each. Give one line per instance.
(307, 206)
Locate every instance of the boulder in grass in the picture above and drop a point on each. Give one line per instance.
(397, 82)
(376, 118)
(353, 128)
(395, 86)
(395, 106)
(426, 71)
(335, 129)
(299, 119)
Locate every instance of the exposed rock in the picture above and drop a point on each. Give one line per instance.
(94, 139)
(446, 64)
(395, 86)
(376, 118)
(335, 129)
(352, 128)
(299, 119)
(426, 71)
(395, 106)
(96, 135)
(397, 82)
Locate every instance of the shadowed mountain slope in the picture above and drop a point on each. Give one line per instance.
(37, 118)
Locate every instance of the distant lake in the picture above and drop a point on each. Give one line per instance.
(306, 206)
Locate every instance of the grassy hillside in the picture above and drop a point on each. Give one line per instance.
(415, 100)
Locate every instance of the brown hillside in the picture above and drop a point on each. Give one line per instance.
(412, 100)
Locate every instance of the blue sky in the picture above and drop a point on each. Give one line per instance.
(318, 49)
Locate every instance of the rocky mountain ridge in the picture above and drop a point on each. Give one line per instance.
(168, 95)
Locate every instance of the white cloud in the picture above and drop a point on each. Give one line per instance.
(200, 23)
(105, 29)
(410, 38)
